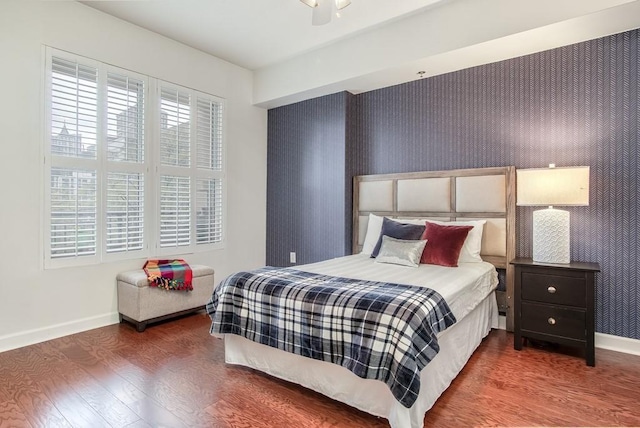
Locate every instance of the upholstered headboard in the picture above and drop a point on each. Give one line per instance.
(469, 194)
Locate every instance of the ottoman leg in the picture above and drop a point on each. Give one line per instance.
(141, 326)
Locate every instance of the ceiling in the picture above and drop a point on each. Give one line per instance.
(254, 33)
(375, 43)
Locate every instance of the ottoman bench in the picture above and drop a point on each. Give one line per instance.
(140, 304)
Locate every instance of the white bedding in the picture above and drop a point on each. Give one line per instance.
(462, 287)
(468, 291)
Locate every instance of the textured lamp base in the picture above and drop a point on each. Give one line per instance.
(551, 243)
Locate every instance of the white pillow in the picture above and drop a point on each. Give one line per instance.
(470, 252)
(400, 251)
(374, 228)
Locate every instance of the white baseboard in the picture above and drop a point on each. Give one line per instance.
(603, 341)
(30, 337)
(618, 343)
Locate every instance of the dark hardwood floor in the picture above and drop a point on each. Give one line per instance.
(174, 375)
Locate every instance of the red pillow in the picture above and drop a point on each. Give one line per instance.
(443, 244)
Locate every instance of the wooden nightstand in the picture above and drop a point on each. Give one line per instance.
(555, 303)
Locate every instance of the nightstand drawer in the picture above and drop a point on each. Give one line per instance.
(556, 289)
(553, 320)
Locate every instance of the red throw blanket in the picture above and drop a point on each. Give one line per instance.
(169, 274)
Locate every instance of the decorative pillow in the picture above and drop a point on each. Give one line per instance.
(445, 243)
(470, 252)
(400, 251)
(399, 231)
(374, 227)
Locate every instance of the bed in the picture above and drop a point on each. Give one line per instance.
(483, 195)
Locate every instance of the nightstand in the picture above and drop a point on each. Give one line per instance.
(555, 303)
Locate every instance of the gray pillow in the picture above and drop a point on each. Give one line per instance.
(400, 251)
(398, 230)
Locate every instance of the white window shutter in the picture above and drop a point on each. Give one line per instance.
(175, 211)
(125, 151)
(125, 118)
(74, 109)
(209, 183)
(125, 212)
(175, 128)
(208, 211)
(209, 134)
(73, 213)
(73, 149)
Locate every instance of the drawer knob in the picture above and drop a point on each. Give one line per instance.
(551, 289)
(551, 321)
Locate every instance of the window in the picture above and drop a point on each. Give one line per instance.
(134, 165)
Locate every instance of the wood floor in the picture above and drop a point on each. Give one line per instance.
(174, 375)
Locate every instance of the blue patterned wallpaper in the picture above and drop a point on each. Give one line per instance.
(575, 105)
(307, 194)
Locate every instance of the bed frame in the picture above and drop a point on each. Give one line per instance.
(462, 194)
(487, 193)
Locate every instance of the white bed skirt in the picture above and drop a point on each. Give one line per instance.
(456, 346)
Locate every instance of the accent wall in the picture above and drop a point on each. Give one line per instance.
(308, 197)
(575, 105)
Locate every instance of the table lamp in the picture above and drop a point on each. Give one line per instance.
(552, 187)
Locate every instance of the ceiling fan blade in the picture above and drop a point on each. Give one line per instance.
(341, 4)
(310, 3)
(322, 13)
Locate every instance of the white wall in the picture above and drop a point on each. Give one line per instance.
(38, 304)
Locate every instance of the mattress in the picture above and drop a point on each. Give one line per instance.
(468, 291)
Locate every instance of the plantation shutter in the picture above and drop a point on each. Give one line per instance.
(125, 212)
(209, 134)
(209, 170)
(73, 184)
(209, 211)
(74, 109)
(175, 161)
(175, 128)
(125, 118)
(73, 212)
(175, 211)
(125, 178)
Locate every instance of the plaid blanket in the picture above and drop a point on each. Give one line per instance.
(376, 330)
(169, 274)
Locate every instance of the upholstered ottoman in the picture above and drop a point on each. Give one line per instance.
(140, 304)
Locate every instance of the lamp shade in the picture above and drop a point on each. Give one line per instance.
(553, 186)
